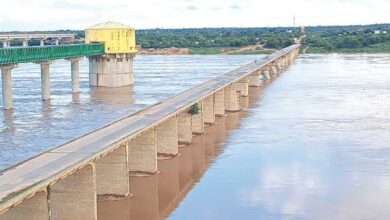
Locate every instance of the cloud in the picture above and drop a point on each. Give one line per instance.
(235, 7)
(76, 14)
(191, 8)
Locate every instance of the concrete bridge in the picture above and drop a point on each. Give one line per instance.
(65, 182)
(7, 38)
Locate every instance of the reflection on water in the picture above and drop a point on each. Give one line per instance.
(35, 126)
(154, 197)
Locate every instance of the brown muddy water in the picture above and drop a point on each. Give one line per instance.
(314, 144)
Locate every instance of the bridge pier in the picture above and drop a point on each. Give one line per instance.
(42, 42)
(25, 43)
(74, 197)
(34, 208)
(265, 73)
(45, 79)
(112, 175)
(6, 43)
(167, 138)
(219, 103)
(142, 156)
(184, 127)
(242, 86)
(111, 70)
(208, 110)
(197, 121)
(232, 99)
(255, 79)
(6, 78)
(75, 72)
(274, 71)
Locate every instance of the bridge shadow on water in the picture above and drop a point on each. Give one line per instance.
(155, 197)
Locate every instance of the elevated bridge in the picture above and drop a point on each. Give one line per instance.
(65, 182)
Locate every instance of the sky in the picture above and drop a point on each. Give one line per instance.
(30, 15)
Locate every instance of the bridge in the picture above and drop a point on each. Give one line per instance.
(100, 163)
(7, 38)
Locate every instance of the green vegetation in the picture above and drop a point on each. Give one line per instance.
(194, 109)
(209, 40)
(319, 39)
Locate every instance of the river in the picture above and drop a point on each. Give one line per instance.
(313, 144)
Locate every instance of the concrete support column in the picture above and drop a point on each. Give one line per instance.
(184, 128)
(242, 86)
(167, 138)
(112, 175)
(265, 72)
(74, 197)
(45, 79)
(25, 43)
(198, 121)
(142, 153)
(5, 44)
(208, 110)
(219, 103)
(274, 71)
(34, 208)
(232, 99)
(6, 78)
(255, 79)
(42, 42)
(56, 41)
(75, 72)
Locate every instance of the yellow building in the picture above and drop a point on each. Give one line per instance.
(117, 38)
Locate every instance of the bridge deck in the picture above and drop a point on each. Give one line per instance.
(23, 180)
(13, 55)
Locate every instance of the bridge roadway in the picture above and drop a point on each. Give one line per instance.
(24, 180)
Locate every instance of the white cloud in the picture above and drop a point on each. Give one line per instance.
(76, 14)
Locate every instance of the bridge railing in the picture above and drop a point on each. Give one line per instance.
(42, 53)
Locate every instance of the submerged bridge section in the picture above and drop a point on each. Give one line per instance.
(65, 183)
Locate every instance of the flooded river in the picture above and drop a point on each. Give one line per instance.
(313, 144)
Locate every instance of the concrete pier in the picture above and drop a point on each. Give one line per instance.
(274, 71)
(75, 72)
(265, 73)
(208, 110)
(45, 79)
(167, 138)
(111, 70)
(112, 175)
(74, 197)
(255, 79)
(42, 42)
(232, 99)
(219, 103)
(25, 43)
(6, 78)
(242, 86)
(34, 208)
(184, 128)
(142, 156)
(198, 121)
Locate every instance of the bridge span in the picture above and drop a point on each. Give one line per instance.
(65, 182)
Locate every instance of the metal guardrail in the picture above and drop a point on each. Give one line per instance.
(41, 53)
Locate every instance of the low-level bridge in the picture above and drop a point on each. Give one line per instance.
(65, 182)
